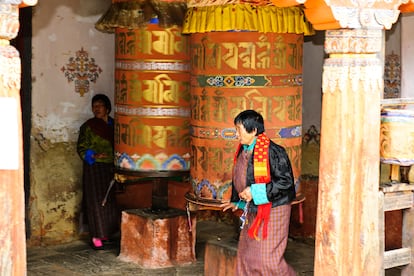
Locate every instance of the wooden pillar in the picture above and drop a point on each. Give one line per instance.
(12, 223)
(347, 240)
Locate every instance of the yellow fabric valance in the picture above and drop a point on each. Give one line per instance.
(206, 3)
(246, 17)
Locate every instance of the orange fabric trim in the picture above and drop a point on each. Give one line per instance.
(409, 7)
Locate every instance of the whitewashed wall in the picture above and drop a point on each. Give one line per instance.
(60, 28)
(407, 55)
(313, 57)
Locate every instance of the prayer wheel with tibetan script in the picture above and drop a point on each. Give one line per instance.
(232, 72)
(152, 99)
(397, 137)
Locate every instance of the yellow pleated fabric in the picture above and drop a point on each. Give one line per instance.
(246, 17)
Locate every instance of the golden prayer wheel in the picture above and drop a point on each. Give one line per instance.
(397, 137)
(232, 72)
(152, 99)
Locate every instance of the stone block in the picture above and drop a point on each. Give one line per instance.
(220, 257)
(156, 239)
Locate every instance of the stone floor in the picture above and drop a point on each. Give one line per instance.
(78, 258)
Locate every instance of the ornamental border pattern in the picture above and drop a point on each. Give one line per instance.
(153, 111)
(152, 66)
(238, 81)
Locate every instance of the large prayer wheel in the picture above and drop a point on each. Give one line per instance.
(232, 72)
(152, 99)
(397, 137)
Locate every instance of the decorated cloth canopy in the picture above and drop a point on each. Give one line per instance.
(206, 16)
(301, 16)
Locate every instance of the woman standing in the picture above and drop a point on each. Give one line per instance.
(263, 186)
(95, 147)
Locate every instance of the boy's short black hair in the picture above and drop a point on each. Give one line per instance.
(251, 120)
(104, 99)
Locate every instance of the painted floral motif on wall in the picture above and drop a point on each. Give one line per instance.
(81, 69)
(392, 76)
(312, 136)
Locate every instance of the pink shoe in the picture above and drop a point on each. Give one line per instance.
(97, 244)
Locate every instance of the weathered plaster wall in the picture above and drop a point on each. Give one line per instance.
(313, 52)
(55, 196)
(393, 39)
(60, 30)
